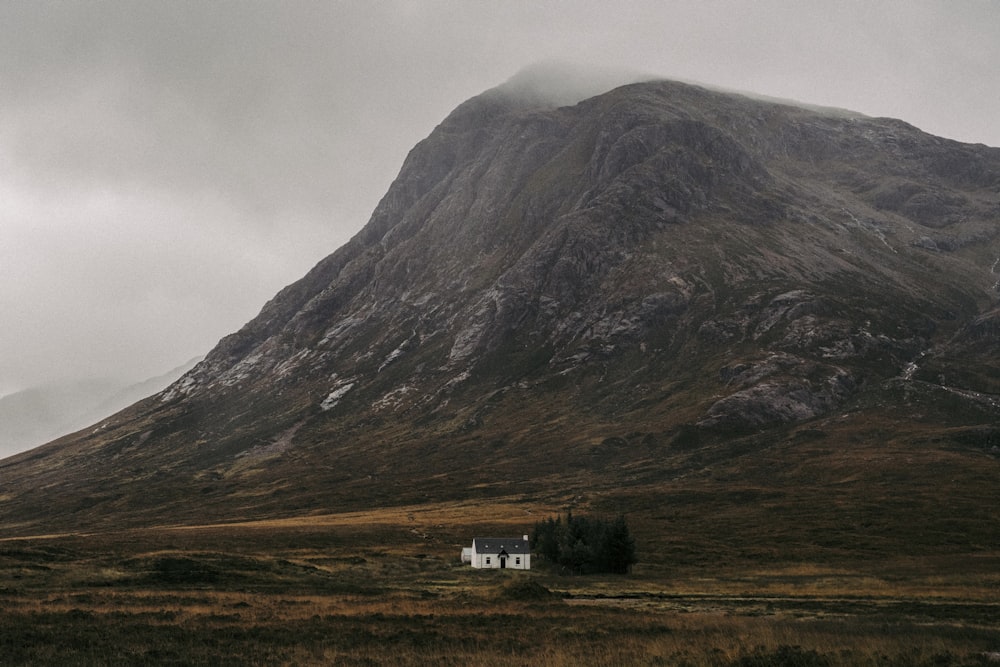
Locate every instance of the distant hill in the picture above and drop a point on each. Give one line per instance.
(756, 325)
(35, 416)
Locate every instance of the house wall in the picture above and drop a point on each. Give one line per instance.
(492, 561)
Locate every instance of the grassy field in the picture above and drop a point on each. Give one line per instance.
(386, 587)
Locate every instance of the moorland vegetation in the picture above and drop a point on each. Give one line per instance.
(385, 587)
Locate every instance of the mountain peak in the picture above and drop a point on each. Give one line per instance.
(557, 83)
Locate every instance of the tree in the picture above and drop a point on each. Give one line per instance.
(545, 539)
(583, 545)
(617, 551)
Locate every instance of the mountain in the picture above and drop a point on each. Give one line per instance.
(729, 316)
(34, 416)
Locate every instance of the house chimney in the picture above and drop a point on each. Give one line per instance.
(525, 538)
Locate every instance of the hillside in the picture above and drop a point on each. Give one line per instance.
(764, 329)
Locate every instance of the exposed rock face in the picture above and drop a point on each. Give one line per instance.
(658, 255)
(782, 388)
(571, 229)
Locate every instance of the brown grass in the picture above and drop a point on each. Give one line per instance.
(385, 587)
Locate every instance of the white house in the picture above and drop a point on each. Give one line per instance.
(499, 552)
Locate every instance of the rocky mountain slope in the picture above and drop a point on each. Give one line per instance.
(653, 293)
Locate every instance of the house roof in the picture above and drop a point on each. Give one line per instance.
(493, 545)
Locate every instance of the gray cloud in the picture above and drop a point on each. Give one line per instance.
(166, 167)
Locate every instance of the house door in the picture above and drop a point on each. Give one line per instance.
(503, 562)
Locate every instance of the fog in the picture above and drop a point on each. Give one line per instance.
(166, 167)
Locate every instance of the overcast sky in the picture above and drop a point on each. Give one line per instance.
(166, 167)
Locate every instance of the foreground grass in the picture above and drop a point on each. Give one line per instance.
(224, 630)
(386, 588)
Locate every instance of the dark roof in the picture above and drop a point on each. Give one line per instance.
(493, 545)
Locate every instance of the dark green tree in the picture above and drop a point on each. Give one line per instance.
(617, 548)
(583, 545)
(545, 539)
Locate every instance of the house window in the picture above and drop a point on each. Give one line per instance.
(517, 561)
(487, 560)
